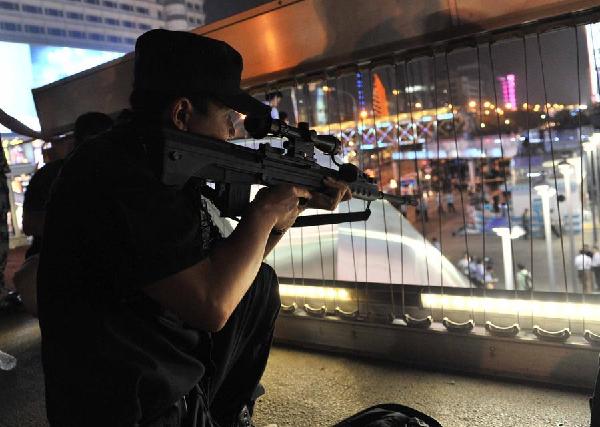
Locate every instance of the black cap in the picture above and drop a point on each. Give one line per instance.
(179, 63)
(91, 124)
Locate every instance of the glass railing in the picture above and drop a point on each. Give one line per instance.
(498, 137)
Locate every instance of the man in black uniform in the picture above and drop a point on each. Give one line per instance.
(38, 190)
(150, 316)
(34, 206)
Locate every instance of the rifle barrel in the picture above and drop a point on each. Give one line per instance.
(400, 200)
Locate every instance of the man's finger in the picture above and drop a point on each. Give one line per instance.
(302, 192)
(344, 192)
(347, 195)
(333, 183)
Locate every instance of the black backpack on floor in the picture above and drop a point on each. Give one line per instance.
(389, 415)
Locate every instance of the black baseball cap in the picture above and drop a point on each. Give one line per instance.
(182, 63)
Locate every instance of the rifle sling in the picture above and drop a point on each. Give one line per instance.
(312, 220)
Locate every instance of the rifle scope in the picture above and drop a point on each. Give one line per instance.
(260, 126)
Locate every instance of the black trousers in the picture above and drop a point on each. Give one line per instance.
(235, 362)
(241, 349)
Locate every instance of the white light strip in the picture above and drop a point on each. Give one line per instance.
(317, 292)
(548, 309)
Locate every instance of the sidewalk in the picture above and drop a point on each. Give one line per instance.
(317, 389)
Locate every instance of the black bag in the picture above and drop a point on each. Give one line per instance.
(389, 415)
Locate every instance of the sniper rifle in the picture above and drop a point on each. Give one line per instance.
(233, 168)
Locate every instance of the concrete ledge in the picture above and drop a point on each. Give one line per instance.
(573, 364)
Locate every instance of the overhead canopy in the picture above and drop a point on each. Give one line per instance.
(284, 38)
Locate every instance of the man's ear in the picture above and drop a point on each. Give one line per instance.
(181, 112)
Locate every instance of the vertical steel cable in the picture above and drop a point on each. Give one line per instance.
(401, 217)
(333, 258)
(508, 199)
(581, 154)
(597, 151)
(595, 178)
(361, 164)
(333, 270)
(290, 241)
(562, 247)
(462, 202)
(383, 202)
(356, 290)
(420, 190)
(529, 177)
(596, 71)
(310, 117)
(437, 140)
(301, 228)
(292, 257)
(482, 159)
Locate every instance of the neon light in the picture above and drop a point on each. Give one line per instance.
(509, 84)
(318, 292)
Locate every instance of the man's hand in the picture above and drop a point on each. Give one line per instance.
(282, 203)
(336, 192)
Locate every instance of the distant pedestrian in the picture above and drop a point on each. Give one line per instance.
(554, 224)
(496, 203)
(583, 265)
(463, 264)
(489, 279)
(439, 204)
(523, 278)
(596, 266)
(272, 99)
(480, 271)
(404, 209)
(477, 272)
(525, 222)
(450, 202)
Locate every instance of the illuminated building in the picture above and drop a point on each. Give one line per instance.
(94, 24)
(509, 84)
(44, 41)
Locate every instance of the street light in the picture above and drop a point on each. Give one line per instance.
(507, 235)
(546, 192)
(567, 170)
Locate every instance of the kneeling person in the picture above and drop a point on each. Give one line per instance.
(150, 316)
